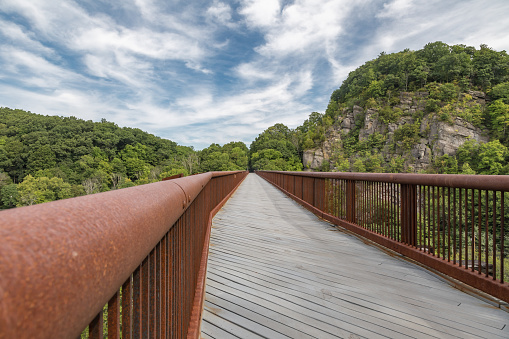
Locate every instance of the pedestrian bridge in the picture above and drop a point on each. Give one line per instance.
(393, 256)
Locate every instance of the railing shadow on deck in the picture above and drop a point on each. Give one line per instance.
(454, 224)
(140, 250)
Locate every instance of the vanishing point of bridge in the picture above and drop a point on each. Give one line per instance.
(152, 262)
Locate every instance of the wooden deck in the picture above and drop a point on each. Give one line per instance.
(277, 271)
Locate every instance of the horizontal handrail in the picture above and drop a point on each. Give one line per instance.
(454, 224)
(485, 182)
(60, 262)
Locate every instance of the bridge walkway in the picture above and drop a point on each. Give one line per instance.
(277, 271)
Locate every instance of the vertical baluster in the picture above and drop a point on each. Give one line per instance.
(439, 218)
(479, 226)
(158, 291)
(151, 294)
(137, 304)
(448, 224)
(486, 234)
(144, 298)
(114, 317)
(164, 286)
(434, 220)
(502, 236)
(95, 329)
(472, 240)
(126, 309)
(460, 235)
(494, 255)
(466, 228)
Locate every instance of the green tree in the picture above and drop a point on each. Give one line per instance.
(499, 114)
(358, 166)
(9, 195)
(277, 138)
(491, 157)
(38, 190)
(500, 92)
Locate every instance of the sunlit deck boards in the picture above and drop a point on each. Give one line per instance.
(277, 271)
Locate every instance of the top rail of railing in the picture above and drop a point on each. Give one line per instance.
(61, 261)
(484, 182)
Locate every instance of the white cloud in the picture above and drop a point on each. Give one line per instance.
(466, 22)
(17, 36)
(35, 70)
(221, 13)
(65, 102)
(396, 9)
(251, 72)
(305, 27)
(261, 13)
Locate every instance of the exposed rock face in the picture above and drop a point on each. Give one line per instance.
(450, 137)
(437, 137)
(312, 159)
(371, 124)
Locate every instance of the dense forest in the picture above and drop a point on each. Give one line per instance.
(46, 158)
(408, 96)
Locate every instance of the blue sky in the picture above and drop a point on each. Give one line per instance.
(199, 72)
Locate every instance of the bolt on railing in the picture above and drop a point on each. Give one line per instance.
(141, 250)
(455, 224)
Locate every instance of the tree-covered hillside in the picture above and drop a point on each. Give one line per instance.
(46, 158)
(400, 108)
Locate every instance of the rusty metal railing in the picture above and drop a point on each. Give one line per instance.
(141, 250)
(455, 224)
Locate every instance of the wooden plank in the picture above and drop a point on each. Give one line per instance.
(375, 313)
(234, 330)
(286, 323)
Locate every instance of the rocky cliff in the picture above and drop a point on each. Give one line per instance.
(411, 130)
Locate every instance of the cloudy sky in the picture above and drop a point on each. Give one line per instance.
(199, 72)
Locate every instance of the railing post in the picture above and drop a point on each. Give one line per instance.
(409, 214)
(350, 201)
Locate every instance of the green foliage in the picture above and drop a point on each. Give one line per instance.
(9, 195)
(446, 164)
(500, 92)
(492, 158)
(389, 114)
(358, 166)
(466, 169)
(50, 158)
(435, 62)
(38, 190)
(374, 163)
(499, 116)
(483, 158)
(230, 157)
(432, 105)
(312, 131)
(446, 92)
(396, 164)
(408, 135)
(277, 149)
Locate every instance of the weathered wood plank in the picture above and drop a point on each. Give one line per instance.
(276, 270)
